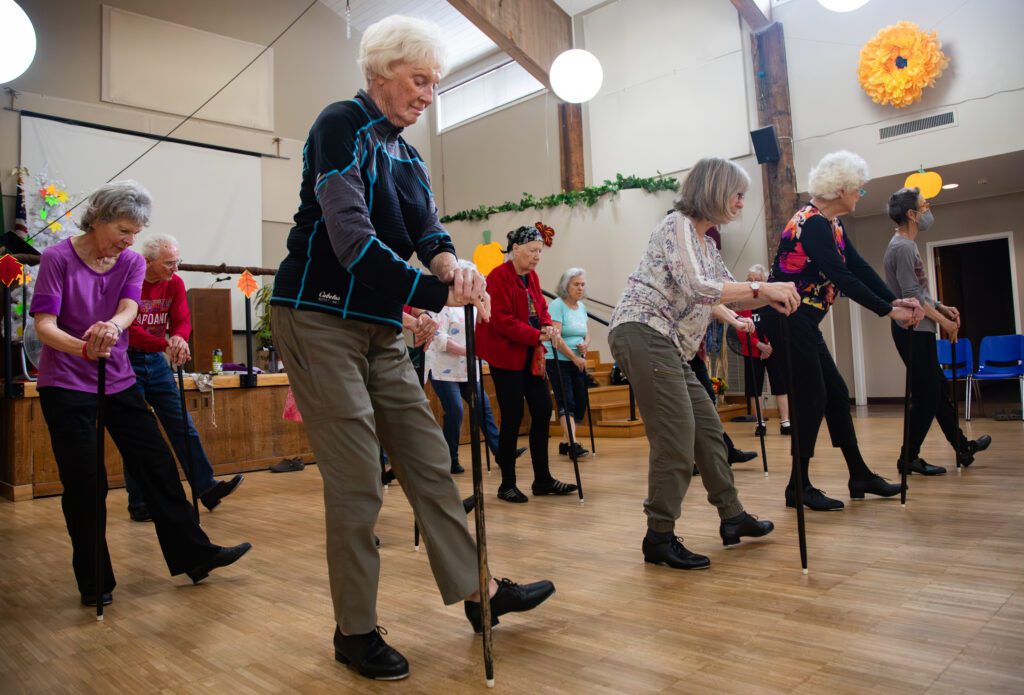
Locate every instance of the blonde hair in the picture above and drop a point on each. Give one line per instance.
(401, 39)
(709, 188)
(837, 171)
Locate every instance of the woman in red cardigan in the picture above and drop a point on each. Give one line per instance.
(509, 343)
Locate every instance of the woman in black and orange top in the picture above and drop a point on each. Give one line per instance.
(816, 254)
(510, 344)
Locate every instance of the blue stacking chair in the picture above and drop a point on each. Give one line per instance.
(1000, 357)
(964, 365)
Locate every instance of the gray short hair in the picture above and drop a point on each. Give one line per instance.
(127, 200)
(151, 245)
(401, 39)
(567, 277)
(757, 269)
(837, 171)
(708, 189)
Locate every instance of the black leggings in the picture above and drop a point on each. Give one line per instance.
(818, 393)
(512, 387)
(700, 370)
(929, 390)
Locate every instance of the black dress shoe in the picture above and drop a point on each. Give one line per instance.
(919, 465)
(520, 451)
(580, 451)
(555, 487)
(563, 448)
(139, 515)
(876, 485)
(90, 599)
(979, 444)
(469, 504)
(510, 598)
(740, 456)
(212, 497)
(760, 430)
(787, 428)
(222, 558)
(512, 494)
(673, 553)
(457, 468)
(815, 500)
(387, 477)
(743, 525)
(370, 656)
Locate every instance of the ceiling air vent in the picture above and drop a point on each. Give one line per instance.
(938, 120)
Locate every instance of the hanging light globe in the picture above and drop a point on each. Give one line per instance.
(576, 76)
(842, 5)
(17, 41)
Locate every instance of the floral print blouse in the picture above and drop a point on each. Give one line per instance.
(678, 282)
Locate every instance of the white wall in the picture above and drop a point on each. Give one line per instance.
(830, 111)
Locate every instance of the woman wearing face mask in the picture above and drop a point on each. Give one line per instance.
(520, 323)
(906, 277)
(816, 253)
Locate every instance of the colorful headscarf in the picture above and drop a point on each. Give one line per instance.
(524, 235)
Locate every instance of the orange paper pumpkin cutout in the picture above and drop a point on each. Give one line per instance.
(247, 283)
(487, 257)
(928, 182)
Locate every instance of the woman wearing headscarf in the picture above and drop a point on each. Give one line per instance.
(511, 344)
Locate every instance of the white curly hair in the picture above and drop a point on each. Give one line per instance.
(401, 39)
(837, 172)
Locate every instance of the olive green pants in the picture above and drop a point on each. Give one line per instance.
(682, 425)
(357, 390)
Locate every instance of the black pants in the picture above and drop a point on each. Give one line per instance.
(700, 370)
(929, 390)
(511, 388)
(71, 419)
(571, 395)
(818, 390)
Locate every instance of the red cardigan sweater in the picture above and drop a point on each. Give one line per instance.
(504, 341)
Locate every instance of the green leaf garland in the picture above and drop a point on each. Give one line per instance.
(588, 196)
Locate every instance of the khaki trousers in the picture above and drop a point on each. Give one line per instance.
(357, 390)
(682, 426)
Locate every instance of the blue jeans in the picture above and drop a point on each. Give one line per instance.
(451, 394)
(155, 380)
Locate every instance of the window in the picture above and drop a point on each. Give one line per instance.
(489, 91)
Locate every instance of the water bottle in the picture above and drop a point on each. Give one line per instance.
(218, 360)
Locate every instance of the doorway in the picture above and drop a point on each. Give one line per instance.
(978, 276)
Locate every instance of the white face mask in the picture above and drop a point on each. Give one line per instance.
(925, 220)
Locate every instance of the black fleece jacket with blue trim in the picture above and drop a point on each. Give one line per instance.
(365, 207)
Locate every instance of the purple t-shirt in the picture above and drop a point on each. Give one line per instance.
(79, 297)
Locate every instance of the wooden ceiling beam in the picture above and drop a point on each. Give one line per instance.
(533, 32)
(752, 14)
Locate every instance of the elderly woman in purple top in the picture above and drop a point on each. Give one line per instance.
(87, 294)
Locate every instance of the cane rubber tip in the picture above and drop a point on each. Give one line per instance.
(99, 618)
(805, 570)
(959, 470)
(416, 548)
(903, 505)
(766, 474)
(490, 682)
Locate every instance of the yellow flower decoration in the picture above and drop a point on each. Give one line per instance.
(899, 62)
(62, 196)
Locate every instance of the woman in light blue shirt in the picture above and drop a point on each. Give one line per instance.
(569, 316)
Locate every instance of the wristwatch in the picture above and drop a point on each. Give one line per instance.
(755, 288)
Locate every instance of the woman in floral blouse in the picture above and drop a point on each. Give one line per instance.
(656, 330)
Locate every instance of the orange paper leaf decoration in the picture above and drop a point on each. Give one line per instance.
(247, 283)
(10, 269)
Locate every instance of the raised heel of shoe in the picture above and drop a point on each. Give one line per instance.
(729, 542)
(341, 658)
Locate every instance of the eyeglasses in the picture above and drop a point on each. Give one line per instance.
(862, 191)
(171, 265)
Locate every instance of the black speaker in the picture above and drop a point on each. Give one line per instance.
(766, 145)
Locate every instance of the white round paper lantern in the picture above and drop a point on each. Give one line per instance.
(576, 76)
(842, 5)
(17, 41)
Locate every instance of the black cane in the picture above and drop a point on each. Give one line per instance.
(187, 466)
(480, 372)
(798, 474)
(757, 403)
(478, 493)
(956, 407)
(101, 473)
(905, 466)
(560, 394)
(590, 419)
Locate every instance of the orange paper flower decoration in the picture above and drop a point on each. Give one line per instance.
(899, 62)
(247, 283)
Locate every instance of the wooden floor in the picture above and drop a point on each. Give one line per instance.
(926, 599)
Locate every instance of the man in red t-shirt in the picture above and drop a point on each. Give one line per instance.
(163, 308)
